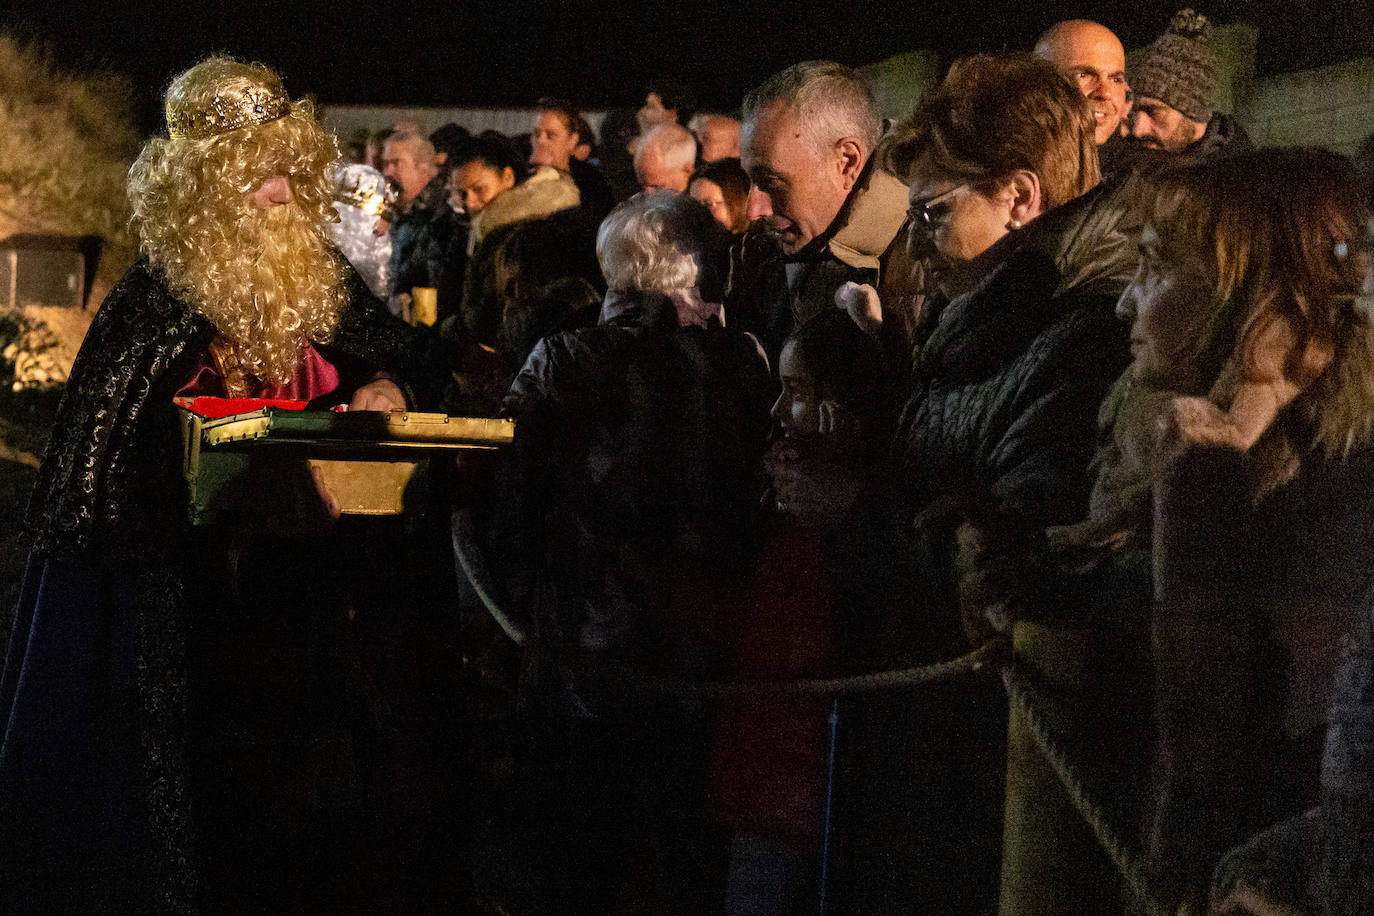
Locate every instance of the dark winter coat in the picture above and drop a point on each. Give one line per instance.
(1223, 137)
(1347, 811)
(1252, 599)
(593, 188)
(410, 261)
(94, 783)
(636, 440)
(998, 428)
(1007, 384)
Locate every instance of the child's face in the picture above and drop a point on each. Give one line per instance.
(798, 407)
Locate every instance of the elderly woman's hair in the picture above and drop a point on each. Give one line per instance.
(996, 114)
(659, 242)
(674, 144)
(1277, 229)
(832, 101)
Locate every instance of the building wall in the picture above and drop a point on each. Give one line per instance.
(900, 82)
(1330, 106)
(345, 120)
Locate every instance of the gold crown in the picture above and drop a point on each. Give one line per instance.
(364, 188)
(227, 112)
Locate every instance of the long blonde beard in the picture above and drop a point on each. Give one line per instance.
(268, 283)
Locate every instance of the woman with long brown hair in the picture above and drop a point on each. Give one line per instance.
(1263, 509)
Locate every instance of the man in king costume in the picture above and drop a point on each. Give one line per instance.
(148, 699)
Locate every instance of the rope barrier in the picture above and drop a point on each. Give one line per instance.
(835, 686)
(469, 563)
(1128, 861)
(463, 544)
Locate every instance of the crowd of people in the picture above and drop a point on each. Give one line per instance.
(1031, 432)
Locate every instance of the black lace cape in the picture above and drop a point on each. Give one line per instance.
(110, 497)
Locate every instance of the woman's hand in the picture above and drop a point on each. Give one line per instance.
(819, 494)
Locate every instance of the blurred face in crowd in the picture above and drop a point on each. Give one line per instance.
(1168, 290)
(1158, 126)
(472, 185)
(713, 198)
(552, 141)
(719, 139)
(399, 164)
(652, 113)
(655, 174)
(798, 187)
(949, 215)
(1092, 58)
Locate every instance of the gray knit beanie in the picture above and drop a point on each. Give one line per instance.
(1181, 67)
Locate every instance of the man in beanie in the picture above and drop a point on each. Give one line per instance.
(1175, 94)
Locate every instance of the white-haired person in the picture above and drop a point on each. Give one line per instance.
(408, 162)
(146, 767)
(665, 158)
(636, 445)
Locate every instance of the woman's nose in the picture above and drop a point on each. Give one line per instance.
(1125, 306)
(779, 408)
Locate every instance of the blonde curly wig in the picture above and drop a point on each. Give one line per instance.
(267, 279)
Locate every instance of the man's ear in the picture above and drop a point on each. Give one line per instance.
(850, 157)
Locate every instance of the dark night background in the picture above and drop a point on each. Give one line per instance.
(602, 52)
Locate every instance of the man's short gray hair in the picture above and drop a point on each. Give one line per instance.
(657, 241)
(832, 100)
(674, 143)
(421, 150)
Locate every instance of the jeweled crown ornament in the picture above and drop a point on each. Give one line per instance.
(229, 110)
(363, 187)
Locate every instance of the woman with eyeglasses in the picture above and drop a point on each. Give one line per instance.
(1018, 346)
(1031, 254)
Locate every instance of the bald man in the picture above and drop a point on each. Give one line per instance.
(1092, 58)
